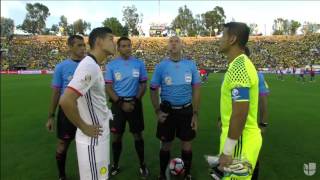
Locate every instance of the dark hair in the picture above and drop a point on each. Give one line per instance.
(122, 39)
(99, 32)
(71, 39)
(247, 51)
(240, 30)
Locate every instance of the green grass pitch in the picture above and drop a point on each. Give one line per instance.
(292, 139)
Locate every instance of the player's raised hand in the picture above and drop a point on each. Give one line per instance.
(92, 130)
(162, 116)
(50, 124)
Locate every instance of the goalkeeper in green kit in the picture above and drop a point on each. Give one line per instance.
(241, 137)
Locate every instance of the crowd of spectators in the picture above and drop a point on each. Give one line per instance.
(44, 52)
(285, 51)
(32, 53)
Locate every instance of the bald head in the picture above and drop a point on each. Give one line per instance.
(175, 45)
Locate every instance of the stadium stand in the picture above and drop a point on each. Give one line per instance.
(44, 52)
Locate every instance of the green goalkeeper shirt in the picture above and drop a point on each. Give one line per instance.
(240, 84)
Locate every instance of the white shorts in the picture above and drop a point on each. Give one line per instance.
(93, 161)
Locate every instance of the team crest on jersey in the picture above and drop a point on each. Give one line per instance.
(188, 77)
(135, 73)
(118, 76)
(168, 80)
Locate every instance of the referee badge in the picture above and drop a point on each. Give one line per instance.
(135, 73)
(168, 80)
(118, 76)
(188, 78)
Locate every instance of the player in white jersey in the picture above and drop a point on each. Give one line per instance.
(84, 103)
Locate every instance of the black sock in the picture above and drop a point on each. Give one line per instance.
(139, 145)
(187, 158)
(255, 174)
(164, 160)
(117, 148)
(61, 162)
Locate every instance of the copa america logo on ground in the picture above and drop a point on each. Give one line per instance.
(310, 168)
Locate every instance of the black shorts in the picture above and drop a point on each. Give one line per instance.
(65, 129)
(134, 118)
(177, 124)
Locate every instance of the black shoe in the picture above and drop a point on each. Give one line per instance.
(187, 177)
(162, 177)
(144, 171)
(114, 170)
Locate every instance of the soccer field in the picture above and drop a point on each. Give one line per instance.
(292, 138)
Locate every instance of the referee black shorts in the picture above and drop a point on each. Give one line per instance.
(177, 124)
(65, 129)
(135, 119)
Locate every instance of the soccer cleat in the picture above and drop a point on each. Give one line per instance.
(114, 170)
(144, 172)
(187, 177)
